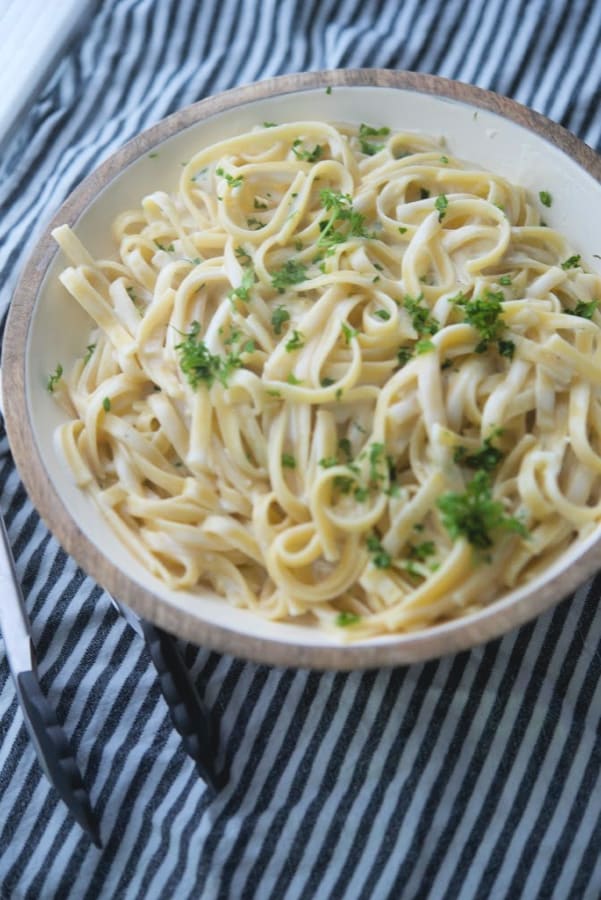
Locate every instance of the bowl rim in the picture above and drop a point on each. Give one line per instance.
(450, 637)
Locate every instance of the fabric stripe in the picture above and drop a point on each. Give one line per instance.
(471, 777)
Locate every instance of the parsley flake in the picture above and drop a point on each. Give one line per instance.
(475, 515)
(380, 557)
(54, 378)
(583, 309)
(441, 203)
(545, 198)
(295, 342)
(292, 272)
(572, 262)
(279, 317)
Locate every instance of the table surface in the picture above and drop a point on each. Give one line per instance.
(474, 776)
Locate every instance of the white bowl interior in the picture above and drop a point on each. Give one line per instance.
(482, 137)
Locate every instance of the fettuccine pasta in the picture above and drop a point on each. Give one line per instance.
(340, 377)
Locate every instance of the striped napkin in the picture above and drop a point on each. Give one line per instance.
(476, 776)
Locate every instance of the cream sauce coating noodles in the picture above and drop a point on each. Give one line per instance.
(340, 377)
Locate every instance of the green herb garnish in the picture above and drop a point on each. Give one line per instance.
(168, 249)
(344, 619)
(295, 342)
(379, 556)
(475, 515)
(366, 131)
(583, 309)
(343, 223)
(382, 314)
(292, 272)
(486, 458)
(422, 551)
(404, 354)
(255, 224)
(441, 203)
(308, 155)
(200, 365)
(279, 317)
(242, 292)
(233, 180)
(545, 198)
(54, 379)
(484, 314)
(288, 461)
(89, 351)
(505, 280)
(424, 346)
(106, 404)
(421, 318)
(348, 332)
(572, 262)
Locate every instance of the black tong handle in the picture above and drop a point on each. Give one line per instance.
(189, 714)
(54, 753)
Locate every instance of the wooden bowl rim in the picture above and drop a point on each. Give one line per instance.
(490, 622)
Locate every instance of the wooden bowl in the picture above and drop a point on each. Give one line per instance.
(45, 327)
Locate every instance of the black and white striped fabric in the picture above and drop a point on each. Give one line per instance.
(476, 776)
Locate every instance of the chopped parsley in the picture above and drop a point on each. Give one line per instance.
(234, 181)
(54, 379)
(583, 309)
(292, 272)
(424, 193)
(327, 382)
(506, 348)
(422, 551)
(424, 346)
(242, 255)
(89, 351)
(379, 556)
(572, 262)
(269, 124)
(258, 204)
(308, 155)
(484, 314)
(442, 204)
(486, 458)
(106, 404)
(348, 332)
(402, 229)
(200, 365)
(545, 198)
(366, 131)
(505, 280)
(328, 462)
(292, 379)
(475, 515)
(288, 461)
(242, 292)
(344, 619)
(169, 248)
(344, 221)
(279, 317)
(255, 224)
(444, 160)
(295, 342)
(404, 354)
(421, 318)
(382, 314)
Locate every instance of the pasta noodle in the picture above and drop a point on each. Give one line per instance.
(340, 377)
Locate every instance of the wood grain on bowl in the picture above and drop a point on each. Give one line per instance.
(190, 624)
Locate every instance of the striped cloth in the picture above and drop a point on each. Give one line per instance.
(476, 776)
